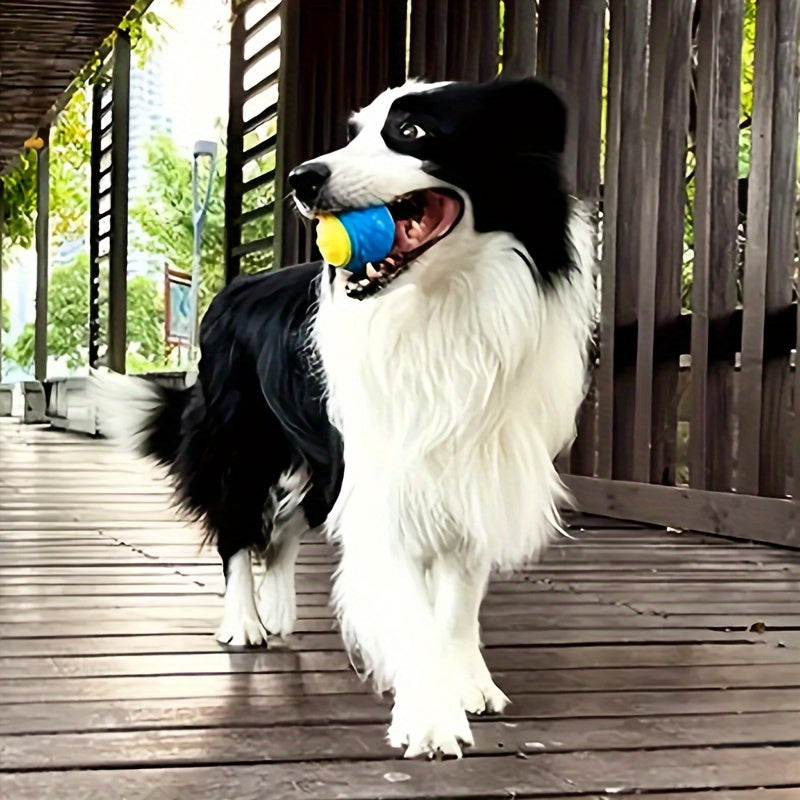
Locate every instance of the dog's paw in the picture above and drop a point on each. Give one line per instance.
(478, 692)
(242, 630)
(277, 604)
(484, 698)
(430, 729)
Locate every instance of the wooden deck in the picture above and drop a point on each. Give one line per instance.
(638, 661)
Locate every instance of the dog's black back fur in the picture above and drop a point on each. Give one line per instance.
(256, 412)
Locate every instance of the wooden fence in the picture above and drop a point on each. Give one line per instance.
(690, 421)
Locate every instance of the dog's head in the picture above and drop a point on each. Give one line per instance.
(451, 161)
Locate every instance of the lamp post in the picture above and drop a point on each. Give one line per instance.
(202, 149)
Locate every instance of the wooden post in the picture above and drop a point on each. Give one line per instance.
(2, 227)
(118, 261)
(42, 238)
(235, 144)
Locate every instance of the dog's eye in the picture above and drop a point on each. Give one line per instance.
(408, 130)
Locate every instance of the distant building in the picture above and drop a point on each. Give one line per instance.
(148, 116)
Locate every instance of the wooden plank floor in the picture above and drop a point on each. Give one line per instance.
(638, 661)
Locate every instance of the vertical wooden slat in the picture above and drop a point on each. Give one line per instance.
(768, 252)
(519, 38)
(42, 239)
(658, 301)
(419, 34)
(487, 12)
(774, 460)
(235, 147)
(669, 243)
(605, 371)
(461, 56)
(587, 29)
(586, 32)
(552, 47)
(645, 298)
(633, 14)
(118, 252)
(436, 42)
(397, 21)
(715, 232)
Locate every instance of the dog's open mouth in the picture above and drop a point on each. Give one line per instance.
(421, 219)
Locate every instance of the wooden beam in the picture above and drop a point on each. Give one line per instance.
(763, 519)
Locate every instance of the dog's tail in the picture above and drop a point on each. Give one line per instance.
(140, 415)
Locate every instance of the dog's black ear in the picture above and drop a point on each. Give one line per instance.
(534, 111)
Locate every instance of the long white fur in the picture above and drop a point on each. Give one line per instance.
(275, 595)
(454, 389)
(124, 405)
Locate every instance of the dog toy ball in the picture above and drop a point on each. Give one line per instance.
(352, 239)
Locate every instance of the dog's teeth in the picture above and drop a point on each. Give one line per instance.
(372, 271)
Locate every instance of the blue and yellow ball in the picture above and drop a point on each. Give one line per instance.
(355, 238)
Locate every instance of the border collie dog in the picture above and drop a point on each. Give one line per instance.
(414, 409)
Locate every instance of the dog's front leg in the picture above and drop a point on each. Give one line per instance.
(387, 614)
(458, 590)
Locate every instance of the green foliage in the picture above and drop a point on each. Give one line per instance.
(70, 147)
(21, 351)
(146, 347)
(5, 316)
(164, 215)
(68, 318)
(20, 201)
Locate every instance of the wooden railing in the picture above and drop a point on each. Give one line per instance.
(698, 260)
(674, 90)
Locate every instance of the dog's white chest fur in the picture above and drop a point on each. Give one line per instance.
(454, 396)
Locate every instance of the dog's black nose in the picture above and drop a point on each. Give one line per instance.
(307, 180)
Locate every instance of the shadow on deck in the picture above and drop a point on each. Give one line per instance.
(638, 661)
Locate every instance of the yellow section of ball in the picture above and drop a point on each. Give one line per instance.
(333, 240)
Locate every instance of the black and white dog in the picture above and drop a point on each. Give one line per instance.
(415, 410)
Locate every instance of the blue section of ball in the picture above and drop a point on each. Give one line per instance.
(371, 232)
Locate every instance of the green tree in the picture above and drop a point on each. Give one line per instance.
(68, 329)
(164, 215)
(5, 316)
